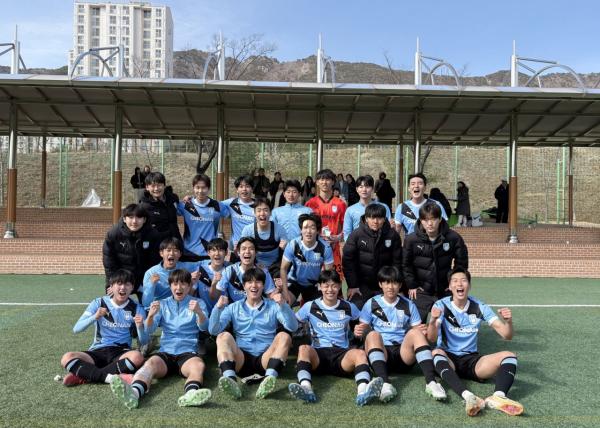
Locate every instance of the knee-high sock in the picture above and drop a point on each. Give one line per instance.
(378, 363)
(506, 374)
(442, 367)
(423, 355)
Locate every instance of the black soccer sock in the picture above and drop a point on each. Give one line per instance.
(362, 374)
(86, 371)
(274, 366)
(304, 372)
(506, 374)
(119, 367)
(192, 385)
(378, 363)
(423, 355)
(228, 369)
(442, 367)
(140, 387)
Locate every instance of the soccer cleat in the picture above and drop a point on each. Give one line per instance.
(230, 387)
(473, 405)
(266, 387)
(303, 393)
(504, 404)
(435, 390)
(124, 393)
(372, 391)
(73, 380)
(388, 392)
(194, 398)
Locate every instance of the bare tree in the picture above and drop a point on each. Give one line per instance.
(190, 60)
(141, 67)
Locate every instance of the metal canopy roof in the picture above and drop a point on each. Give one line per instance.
(287, 112)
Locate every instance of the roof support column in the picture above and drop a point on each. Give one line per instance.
(399, 173)
(220, 153)
(44, 173)
(512, 184)
(11, 203)
(320, 140)
(417, 138)
(570, 178)
(117, 172)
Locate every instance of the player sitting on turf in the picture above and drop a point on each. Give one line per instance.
(303, 259)
(181, 317)
(231, 284)
(394, 336)
(330, 319)
(454, 323)
(117, 319)
(254, 346)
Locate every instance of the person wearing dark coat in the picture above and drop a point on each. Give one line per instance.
(138, 183)
(274, 186)
(427, 257)
(463, 205)
(371, 246)
(437, 195)
(501, 195)
(131, 244)
(352, 193)
(161, 204)
(384, 190)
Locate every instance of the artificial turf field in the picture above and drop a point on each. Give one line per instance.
(557, 378)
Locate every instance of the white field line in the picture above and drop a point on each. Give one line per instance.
(493, 305)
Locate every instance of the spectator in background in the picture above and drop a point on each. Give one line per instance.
(138, 184)
(501, 195)
(384, 190)
(274, 187)
(342, 187)
(308, 188)
(352, 193)
(261, 183)
(147, 170)
(463, 205)
(437, 195)
(278, 199)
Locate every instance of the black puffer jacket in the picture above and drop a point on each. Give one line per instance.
(162, 215)
(366, 251)
(134, 251)
(426, 264)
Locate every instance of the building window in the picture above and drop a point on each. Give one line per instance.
(80, 40)
(112, 30)
(80, 69)
(146, 34)
(95, 42)
(113, 20)
(96, 21)
(126, 20)
(158, 33)
(80, 29)
(158, 63)
(158, 12)
(80, 19)
(158, 43)
(158, 53)
(159, 22)
(80, 8)
(146, 54)
(125, 10)
(95, 62)
(157, 73)
(125, 40)
(79, 49)
(146, 44)
(146, 23)
(96, 32)
(113, 41)
(113, 9)
(95, 11)
(147, 13)
(127, 62)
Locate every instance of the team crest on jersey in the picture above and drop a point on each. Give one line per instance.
(388, 243)
(473, 318)
(400, 313)
(128, 315)
(317, 256)
(146, 245)
(446, 246)
(342, 314)
(334, 208)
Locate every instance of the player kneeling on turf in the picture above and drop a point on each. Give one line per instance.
(117, 319)
(329, 319)
(454, 323)
(394, 336)
(255, 347)
(181, 317)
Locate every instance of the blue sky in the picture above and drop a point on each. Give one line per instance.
(473, 34)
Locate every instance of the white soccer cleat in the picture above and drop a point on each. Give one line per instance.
(388, 393)
(435, 390)
(473, 405)
(504, 404)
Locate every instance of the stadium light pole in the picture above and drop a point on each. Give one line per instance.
(512, 185)
(11, 208)
(117, 172)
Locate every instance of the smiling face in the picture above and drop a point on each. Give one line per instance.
(156, 190)
(247, 253)
(254, 289)
(390, 290)
(244, 191)
(134, 223)
(325, 185)
(459, 287)
(217, 256)
(201, 191)
(291, 195)
(262, 212)
(309, 231)
(180, 290)
(121, 291)
(364, 191)
(170, 256)
(416, 188)
(330, 290)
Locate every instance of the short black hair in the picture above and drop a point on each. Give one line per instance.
(374, 210)
(171, 242)
(312, 217)
(459, 269)
(135, 210)
(389, 274)
(243, 179)
(217, 244)
(382, 175)
(365, 180)
(326, 174)
(122, 276)
(180, 275)
(418, 175)
(261, 200)
(245, 239)
(254, 274)
(329, 275)
(430, 208)
(201, 178)
(155, 177)
(293, 183)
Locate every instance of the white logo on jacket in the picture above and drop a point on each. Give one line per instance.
(388, 243)
(446, 246)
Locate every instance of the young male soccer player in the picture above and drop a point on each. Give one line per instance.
(202, 215)
(407, 212)
(254, 346)
(364, 188)
(454, 323)
(209, 272)
(268, 237)
(331, 210)
(161, 204)
(181, 317)
(231, 284)
(287, 215)
(330, 319)
(303, 259)
(117, 319)
(428, 256)
(240, 209)
(394, 339)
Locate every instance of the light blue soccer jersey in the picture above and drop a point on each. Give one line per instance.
(266, 255)
(201, 223)
(241, 214)
(307, 262)
(117, 327)
(329, 326)
(202, 287)
(355, 212)
(180, 326)
(254, 328)
(161, 289)
(458, 329)
(391, 320)
(407, 214)
(231, 284)
(287, 217)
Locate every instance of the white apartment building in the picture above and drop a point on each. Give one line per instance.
(144, 30)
